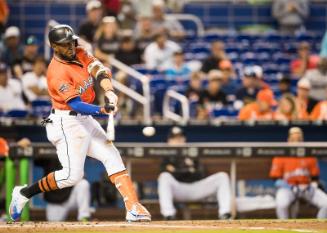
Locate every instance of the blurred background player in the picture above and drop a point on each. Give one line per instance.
(297, 178)
(61, 201)
(184, 179)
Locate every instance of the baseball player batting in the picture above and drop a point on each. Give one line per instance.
(71, 128)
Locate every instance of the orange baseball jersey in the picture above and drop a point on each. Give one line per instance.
(4, 148)
(319, 112)
(300, 115)
(294, 170)
(67, 80)
(251, 112)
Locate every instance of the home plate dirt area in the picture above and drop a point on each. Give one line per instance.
(171, 226)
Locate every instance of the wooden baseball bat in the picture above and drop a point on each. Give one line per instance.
(111, 123)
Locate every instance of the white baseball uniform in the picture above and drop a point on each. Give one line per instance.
(74, 138)
(294, 176)
(285, 197)
(171, 190)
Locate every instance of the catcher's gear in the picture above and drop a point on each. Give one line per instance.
(62, 34)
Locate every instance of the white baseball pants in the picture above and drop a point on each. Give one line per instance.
(169, 189)
(75, 137)
(285, 197)
(79, 199)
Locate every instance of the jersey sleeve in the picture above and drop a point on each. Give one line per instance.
(63, 87)
(314, 168)
(276, 170)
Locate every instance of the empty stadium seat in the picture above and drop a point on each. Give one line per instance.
(17, 113)
(41, 108)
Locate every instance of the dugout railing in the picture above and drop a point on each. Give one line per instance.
(135, 151)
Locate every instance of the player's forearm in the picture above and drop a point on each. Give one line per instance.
(102, 74)
(84, 108)
(106, 84)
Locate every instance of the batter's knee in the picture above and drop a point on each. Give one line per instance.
(76, 177)
(72, 178)
(84, 184)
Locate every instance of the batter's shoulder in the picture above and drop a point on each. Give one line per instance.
(56, 70)
(84, 56)
(81, 51)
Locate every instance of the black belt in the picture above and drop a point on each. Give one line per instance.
(71, 113)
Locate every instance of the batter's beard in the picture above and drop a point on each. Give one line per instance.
(67, 58)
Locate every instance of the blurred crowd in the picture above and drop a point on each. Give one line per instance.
(148, 37)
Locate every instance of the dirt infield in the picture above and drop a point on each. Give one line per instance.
(171, 226)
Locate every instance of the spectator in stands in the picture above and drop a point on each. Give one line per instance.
(288, 110)
(126, 17)
(61, 201)
(194, 90)
(260, 82)
(128, 52)
(4, 13)
(94, 15)
(179, 70)
(284, 87)
(34, 82)
(162, 23)
(319, 112)
(159, 54)
(107, 38)
(261, 109)
(127, 107)
(217, 54)
(290, 14)
(228, 82)
(297, 177)
(323, 51)
(143, 7)
(248, 92)
(25, 64)
(12, 50)
(184, 179)
(305, 60)
(212, 97)
(318, 80)
(144, 31)
(10, 92)
(112, 7)
(303, 100)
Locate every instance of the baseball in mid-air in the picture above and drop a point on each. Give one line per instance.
(149, 131)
